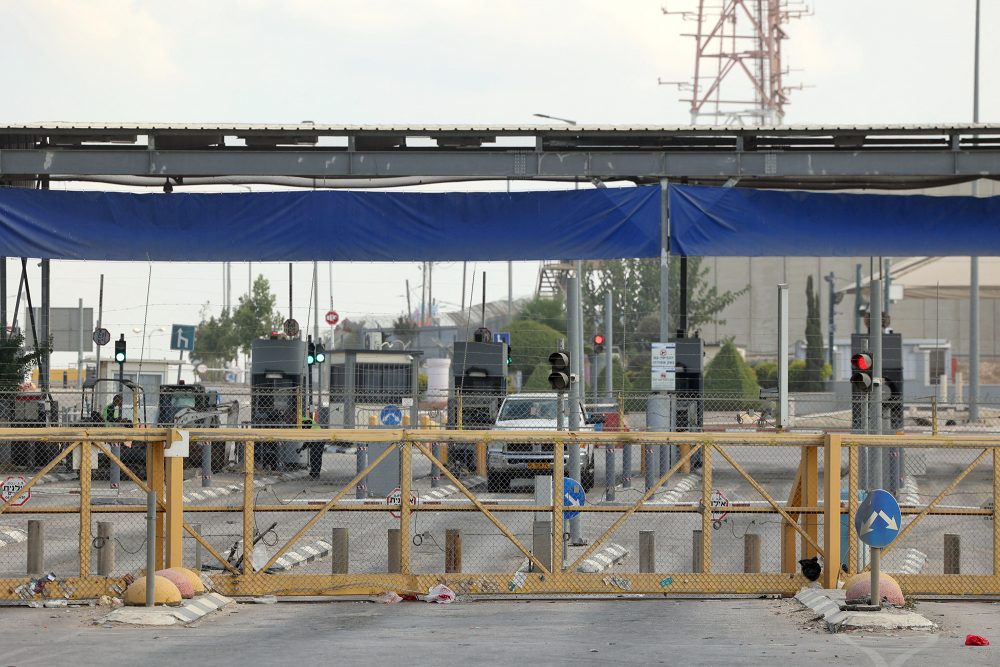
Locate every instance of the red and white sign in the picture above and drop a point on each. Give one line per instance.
(332, 317)
(11, 487)
(719, 501)
(396, 497)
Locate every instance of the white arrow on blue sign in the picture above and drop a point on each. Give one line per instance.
(573, 496)
(182, 337)
(878, 519)
(390, 415)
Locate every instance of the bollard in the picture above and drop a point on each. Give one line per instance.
(105, 548)
(452, 550)
(697, 553)
(150, 547)
(36, 547)
(394, 550)
(541, 542)
(609, 472)
(627, 466)
(339, 552)
(647, 551)
(952, 554)
(751, 553)
(206, 464)
(196, 527)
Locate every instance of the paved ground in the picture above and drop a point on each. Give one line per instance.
(689, 632)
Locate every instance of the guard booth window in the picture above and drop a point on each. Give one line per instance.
(375, 383)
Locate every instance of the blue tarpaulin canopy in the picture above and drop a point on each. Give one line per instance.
(603, 223)
(740, 222)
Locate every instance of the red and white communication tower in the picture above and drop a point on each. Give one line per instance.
(738, 72)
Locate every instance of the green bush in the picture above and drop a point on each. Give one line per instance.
(729, 377)
(800, 378)
(767, 374)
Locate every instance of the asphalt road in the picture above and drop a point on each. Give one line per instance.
(600, 632)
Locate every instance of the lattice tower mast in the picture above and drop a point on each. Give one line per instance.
(738, 71)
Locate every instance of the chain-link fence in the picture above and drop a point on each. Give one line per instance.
(719, 502)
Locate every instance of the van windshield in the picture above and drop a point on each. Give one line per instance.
(528, 408)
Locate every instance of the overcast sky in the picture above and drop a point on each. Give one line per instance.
(437, 61)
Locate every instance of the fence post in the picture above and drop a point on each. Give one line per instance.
(453, 550)
(106, 548)
(647, 551)
(248, 528)
(697, 552)
(810, 498)
(751, 553)
(831, 509)
(405, 480)
(85, 538)
(36, 546)
(174, 538)
(394, 555)
(952, 554)
(706, 500)
(339, 551)
(196, 527)
(155, 477)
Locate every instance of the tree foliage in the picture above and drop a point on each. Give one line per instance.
(548, 311)
(220, 338)
(634, 286)
(15, 361)
(405, 329)
(531, 343)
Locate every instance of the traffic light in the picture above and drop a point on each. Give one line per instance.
(510, 356)
(320, 355)
(311, 354)
(559, 376)
(861, 372)
(120, 353)
(598, 343)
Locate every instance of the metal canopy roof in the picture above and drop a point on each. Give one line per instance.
(814, 157)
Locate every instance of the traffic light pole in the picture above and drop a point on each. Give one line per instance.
(875, 456)
(575, 393)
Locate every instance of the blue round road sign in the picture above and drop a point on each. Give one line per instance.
(390, 415)
(573, 496)
(878, 519)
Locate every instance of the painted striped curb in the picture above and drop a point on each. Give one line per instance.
(905, 561)
(909, 493)
(674, 495)
(187, 612)
(208, 493)
(451, 489)
(603, 559)
(11, 536)
(317, 550)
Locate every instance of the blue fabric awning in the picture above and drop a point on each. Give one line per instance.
(602, 223)
(740, 222)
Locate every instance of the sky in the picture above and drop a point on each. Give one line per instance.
(433, 61)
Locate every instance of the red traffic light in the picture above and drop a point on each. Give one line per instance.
(861, 372)
(598, 339)
(862, 362)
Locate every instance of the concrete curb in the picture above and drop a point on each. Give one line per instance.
(450, 489)
(189, 612)
(674, 495)
(316, 551)
(602, 560)
(826, 603)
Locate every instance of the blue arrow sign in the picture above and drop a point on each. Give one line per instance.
(182, 337)
(573, 496)
(390, 415)
(878, 519)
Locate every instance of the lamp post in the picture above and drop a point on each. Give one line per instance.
(146, 337)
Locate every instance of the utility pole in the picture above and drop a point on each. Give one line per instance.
(831, 318)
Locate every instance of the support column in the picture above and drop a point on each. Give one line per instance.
(664, 261)
(831, 509)
(175, 511)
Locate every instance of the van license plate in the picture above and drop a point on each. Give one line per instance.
(540, 466)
